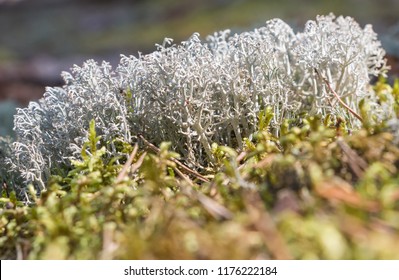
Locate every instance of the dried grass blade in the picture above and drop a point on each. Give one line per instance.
(126, 166)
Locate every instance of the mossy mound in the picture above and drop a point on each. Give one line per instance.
(318, 191)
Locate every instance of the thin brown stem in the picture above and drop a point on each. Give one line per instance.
(126, 166)
(337, 96)
(178, 163)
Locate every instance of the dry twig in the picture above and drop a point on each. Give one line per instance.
(337, 96)
(126, 166)
(178, 163)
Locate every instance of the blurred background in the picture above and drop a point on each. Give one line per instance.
(41, 38)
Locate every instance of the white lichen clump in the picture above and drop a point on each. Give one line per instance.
(198, 93)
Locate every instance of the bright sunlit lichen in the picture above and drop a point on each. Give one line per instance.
(202, 92)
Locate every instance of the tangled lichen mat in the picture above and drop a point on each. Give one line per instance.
(202, 92)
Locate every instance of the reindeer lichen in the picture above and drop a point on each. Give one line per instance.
(202, 92)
